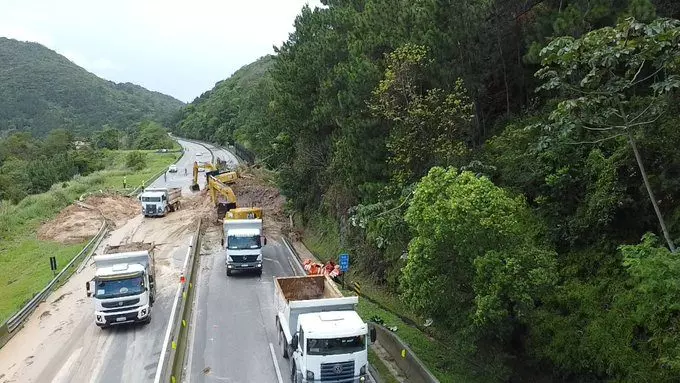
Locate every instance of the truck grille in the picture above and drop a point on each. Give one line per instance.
(151, 209)
(117, 310)
(244, 258)
(337, 371)
(118, 304)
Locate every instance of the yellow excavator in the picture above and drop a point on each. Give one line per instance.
(208, 167)
(221, 194)
(212, 169)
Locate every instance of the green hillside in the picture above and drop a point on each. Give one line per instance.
(234, 108)
(507, 169)
(42, 90)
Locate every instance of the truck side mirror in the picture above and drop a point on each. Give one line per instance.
(222, 242)
(264, 241)
(88, 288)
(373, 334)
(294, 342)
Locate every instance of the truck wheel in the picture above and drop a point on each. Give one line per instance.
(147, 320)
(259, 273)
(284, 345)
(228, 273)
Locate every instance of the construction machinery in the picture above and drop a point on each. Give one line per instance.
(319, 330)
(124, 287)
(243, 240)
(211, 169)
(207, 167)
(157, 202)
(220, 193)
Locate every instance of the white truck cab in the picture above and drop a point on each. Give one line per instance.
(123, 288)
(157, 202)
(243, 240)
(320, 331)
(331, 347)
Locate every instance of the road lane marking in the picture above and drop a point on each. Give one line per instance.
(276, 363)
(63, 373)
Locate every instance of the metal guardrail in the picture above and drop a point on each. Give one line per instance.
(242, 152)
(404, 357)
(13, 324)
(171, 359)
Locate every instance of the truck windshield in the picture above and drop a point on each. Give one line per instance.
(119, 287)
(151, 199)
(242, 243)
(336, 346)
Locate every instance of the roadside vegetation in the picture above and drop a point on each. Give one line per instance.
(505, 169)
(24, 259)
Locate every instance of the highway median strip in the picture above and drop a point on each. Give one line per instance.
(171, 360)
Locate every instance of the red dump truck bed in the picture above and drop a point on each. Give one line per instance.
(307, 294)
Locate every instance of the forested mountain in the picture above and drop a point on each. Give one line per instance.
(511, 148)
(231, 108)
(42, 90)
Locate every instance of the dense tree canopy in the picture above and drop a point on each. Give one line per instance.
(524, 213)
(42, 90)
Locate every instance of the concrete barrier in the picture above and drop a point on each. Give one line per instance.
(171, 358)
(412, 367)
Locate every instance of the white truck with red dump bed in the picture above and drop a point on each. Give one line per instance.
(321, 330)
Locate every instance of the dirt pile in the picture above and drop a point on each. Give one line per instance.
(252, 190)
(82, 220)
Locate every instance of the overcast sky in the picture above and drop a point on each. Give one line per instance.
(181, 48)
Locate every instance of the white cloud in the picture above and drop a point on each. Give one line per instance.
(173, 46)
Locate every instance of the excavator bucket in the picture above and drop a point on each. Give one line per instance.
(223, 208)
(194, 185)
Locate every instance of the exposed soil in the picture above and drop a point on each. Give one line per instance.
(252, 190)
(82, 220)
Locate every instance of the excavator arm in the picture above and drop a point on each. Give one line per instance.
(194, 183)
(221, 195)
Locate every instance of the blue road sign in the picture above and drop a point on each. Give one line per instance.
(344, 262)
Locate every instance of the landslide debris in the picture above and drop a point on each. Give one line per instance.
(253, 189)
(81, 221)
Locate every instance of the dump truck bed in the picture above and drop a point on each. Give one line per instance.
(174, 194)
(129, 247)
(304, 295)
(307, 287)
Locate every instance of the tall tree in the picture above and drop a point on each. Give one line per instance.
(616, 82)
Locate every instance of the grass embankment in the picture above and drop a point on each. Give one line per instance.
(433, 348)
(24, 260)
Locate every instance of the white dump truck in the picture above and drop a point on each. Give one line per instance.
(321, 330)
(243, 240)
(123, 288)
(157, 202)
